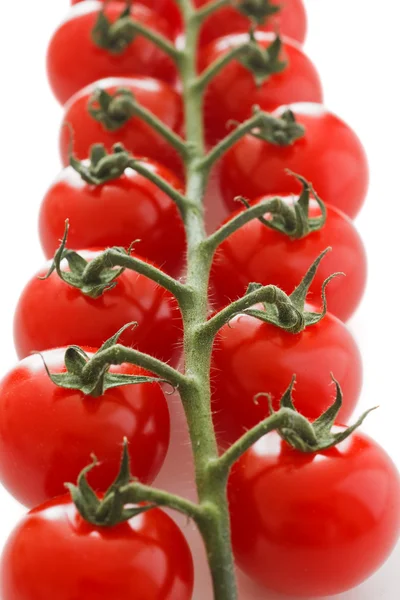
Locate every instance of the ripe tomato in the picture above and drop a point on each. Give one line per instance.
(291, 21)
(251, 356)
(54, 553)
(114, 214)
(330, 155)
(51, 439)
(141, 57)
(167, 9)
(233, 92)
(314, 525)
(258, 254)
(137, 137)
(51, 314)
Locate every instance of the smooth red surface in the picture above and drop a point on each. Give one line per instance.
(50, 314)
(54, 554)
(74, 60)
(251, 357)
(115, 214)
(47, 433)
(314, 525)
(233, 92)
(330, 155)
(258, 254)
(135, 135)
(291, 21)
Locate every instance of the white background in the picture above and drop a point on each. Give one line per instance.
(354, 44)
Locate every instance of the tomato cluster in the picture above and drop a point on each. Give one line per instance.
(336, 509)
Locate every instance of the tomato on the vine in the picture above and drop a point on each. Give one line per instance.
(50, 313)
(252, 357)
(314, 524)
(233, 93)
(290, 21)
(256, 253)
(55, 553)
(74, 60)
(330, 155)
(137, 137)
(114, 214)
(48, 433)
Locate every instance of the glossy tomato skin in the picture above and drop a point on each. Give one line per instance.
(330, 155)
(72, 45)
(291, 22)
(314, 525)
(54, 553)
(50, 432)
(115, 214)
(135, 135)
(251, 356)
(258, 254)
(50, 314)
(233, 92)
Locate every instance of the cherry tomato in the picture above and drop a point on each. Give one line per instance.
(51, 439)
(115, 214)
(72, 45)
(167, 9)
(330, 155)
(314, 525)
(233, 92)
(54, 553)
(291, 21)
(134, 134)
(252, 357)
(51, 314)
(258, 254)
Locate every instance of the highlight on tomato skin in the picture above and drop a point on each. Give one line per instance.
(50, 314)
(140, 57)
(115, 213)
(290, 21)
(137, 137)
(48, 433)
(330, 156)
(54, 554)
(233, 93)
(256, 253)
(308, 525)
(252, 357)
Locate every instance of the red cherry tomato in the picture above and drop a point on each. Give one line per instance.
(72, 45)
(330, 155)
(258, 254)
(251, 356)
(115, 214)
(233, 92)
(291, 21)
(51, 439)
(50, 314)
(54, 553)
(134, 134)
(314, 525)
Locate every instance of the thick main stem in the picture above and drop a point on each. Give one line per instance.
(196, 395)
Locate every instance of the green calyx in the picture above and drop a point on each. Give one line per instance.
(257, 10)
(111, 510)
(282, 131)
(102, 166)
(263, 62)
(115, 37)
(289, 313)
(92, 278)
(316, 436)
(294, 220)
(112, 110)
(94, 382)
